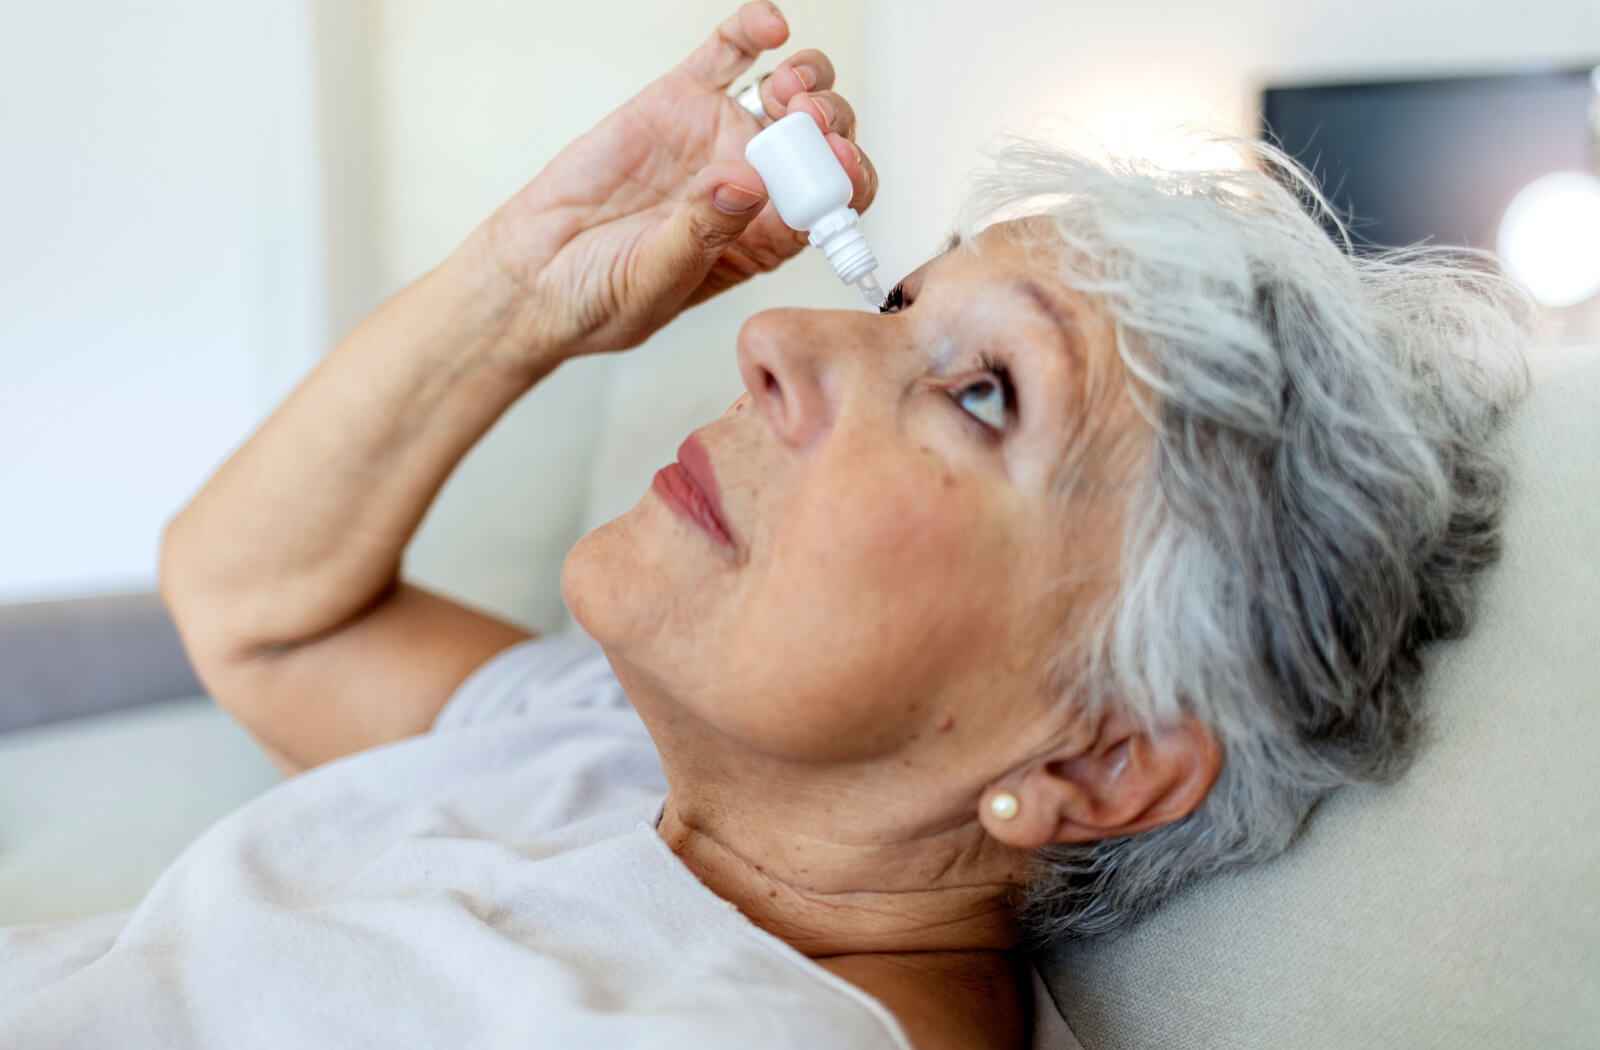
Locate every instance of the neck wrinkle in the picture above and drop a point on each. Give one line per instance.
(963, 911)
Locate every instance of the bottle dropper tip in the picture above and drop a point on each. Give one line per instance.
(872, 291)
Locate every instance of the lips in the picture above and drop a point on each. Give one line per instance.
(690, 487)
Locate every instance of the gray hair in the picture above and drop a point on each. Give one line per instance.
(1319, 494)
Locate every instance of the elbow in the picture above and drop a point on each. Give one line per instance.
(173, 574)
(177, 577)
(197, 611)
(222, 658)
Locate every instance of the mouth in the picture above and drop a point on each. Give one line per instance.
(689, 487)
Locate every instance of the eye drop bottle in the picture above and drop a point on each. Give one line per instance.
(812, 192)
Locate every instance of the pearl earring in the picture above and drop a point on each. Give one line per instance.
(1004, 805)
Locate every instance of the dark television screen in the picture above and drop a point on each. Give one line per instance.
(1434, 160)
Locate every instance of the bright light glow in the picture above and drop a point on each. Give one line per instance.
(1550, 237)
(1151, 127)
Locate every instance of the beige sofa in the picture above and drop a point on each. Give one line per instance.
(1460, 908)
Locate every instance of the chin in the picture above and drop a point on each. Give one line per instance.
(649, 588)
(618, 582)
(593, 578)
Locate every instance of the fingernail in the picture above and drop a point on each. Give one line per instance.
(829, 114)
(855, 151)
(808, 76)
(775, 11)
(735, 200)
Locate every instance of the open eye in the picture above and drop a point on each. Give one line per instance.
(986, 401)
(990, 398)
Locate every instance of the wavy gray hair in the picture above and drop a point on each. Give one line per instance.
(1321, 491)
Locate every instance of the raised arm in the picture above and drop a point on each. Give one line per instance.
(283, 572)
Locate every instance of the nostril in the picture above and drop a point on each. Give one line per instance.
(773, 404)
(772, 391)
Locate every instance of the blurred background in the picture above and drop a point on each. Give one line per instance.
(198, 197)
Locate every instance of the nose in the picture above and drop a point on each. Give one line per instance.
(787, 359)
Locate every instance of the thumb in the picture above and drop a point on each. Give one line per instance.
(721, 202)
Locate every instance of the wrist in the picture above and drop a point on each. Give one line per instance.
(496, 310)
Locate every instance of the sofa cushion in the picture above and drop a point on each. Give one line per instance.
(93, 809)
(81, 656)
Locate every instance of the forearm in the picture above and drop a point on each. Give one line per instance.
(303, 527)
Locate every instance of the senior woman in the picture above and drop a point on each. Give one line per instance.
(1085, 569)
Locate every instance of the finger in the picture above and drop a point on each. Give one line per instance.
(769, 97)
(829, 109)
(732, 49)
(723, 200)
(808, 70)
(863, 174)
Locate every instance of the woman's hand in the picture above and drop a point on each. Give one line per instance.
(655, 209)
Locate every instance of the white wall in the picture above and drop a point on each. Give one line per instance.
(948, 74)
(158, 283)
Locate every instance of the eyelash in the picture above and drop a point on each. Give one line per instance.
(896, 300)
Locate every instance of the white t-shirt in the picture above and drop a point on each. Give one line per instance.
(497, 882)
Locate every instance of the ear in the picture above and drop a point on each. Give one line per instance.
(1125, 781)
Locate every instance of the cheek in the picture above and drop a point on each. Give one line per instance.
(920, 537)
(902, 543)
(879, 592)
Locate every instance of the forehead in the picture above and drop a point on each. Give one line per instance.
(1030, 244)
(1012, 263)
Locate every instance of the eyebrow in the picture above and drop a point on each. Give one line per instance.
(1041, 299)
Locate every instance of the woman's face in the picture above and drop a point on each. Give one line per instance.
(912, 508)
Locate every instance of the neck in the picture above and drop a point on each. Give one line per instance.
(857, 857)
(918, 926)
(884, 878)
(847, 892)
